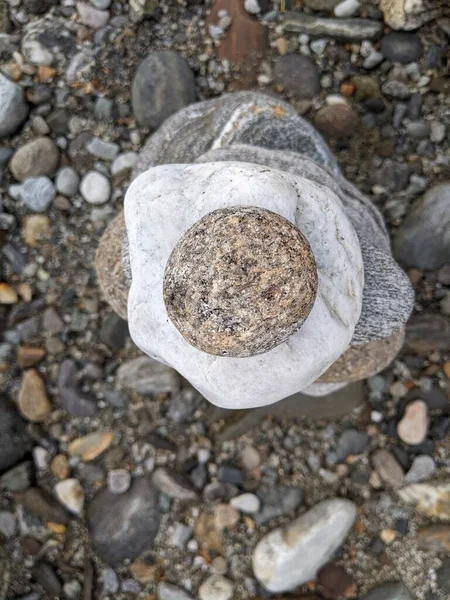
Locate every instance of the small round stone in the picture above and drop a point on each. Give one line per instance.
(95, 188)
(119, 481)
(67, 182)
(239, 282)
(37, 193)
(413, 427)
(216, 587)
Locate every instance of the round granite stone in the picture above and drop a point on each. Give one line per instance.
(240, 282)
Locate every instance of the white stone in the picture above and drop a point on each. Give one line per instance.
(13, 108)
(7, 523)
(70, 493)
(162, 203)
(95, 188)
(216, 587)
(36, 53)
(246, 503)
(290, 556)
(347, 8)
(252, 7)
(67, 182)
(101, 149)
(124, 162)
(92, 17)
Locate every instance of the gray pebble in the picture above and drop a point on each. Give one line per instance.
(119, 481)
(92, 17)
(101, 4)
(437, 132)
(419, 130)
(95, 188)
(401, 46)
(124, 162)
(7, 523)
(67, 182)
(103, 109)
(37, 193)
(168, 591)
(422, 468)
(13, 107)
(109, 581)
(101, 149)
(351, 442)
(390, 591)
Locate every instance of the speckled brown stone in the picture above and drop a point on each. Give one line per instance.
(108, 263)
(240, 282)
(360, 362)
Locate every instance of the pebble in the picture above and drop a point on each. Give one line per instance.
(92, 17)
(124, 163)
(173, 484)
(123, 526)
(435, 538)
(230, 474)
(347, 8)
(278, 502)
(418, 130)
(337, 121)
(252, 7)
(147, 376)
(426, 333)
(250, 458)
(114, 332)
(298, 75)
(7, 523)
(36, 229)
(413, 427)
(52, 322)
(388, 468)
(389, 591)
(38, 157)
(396, 89)
(8, 295)
(101, 4)
(67, 182)
(437, 132)
(246, 503)
(95, 188)
(373, 60)
(41, 458)
(77, 402)
(334, 582)
(292, 555)
(18, 478)
(32, 399)
(101, 149)
(401, 46)
(43, 505)
(423, 467)
(109, 581)
(60, 466)
(90, 446)
(72, 589)
(119, 481)
(432, 500)
(103, 108)
(216, 587)
(168, 591)
(180, 536)
(162, 85)
(71, 495)
(443, 576)
(13, 106)
(45, 575)
(37, 193)
(348, 29)
(225, 517)
(350, 443)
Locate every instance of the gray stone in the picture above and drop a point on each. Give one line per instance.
(103, 109)
(101, 4)
(124, 526)
(162, 85)
(67, 182)
(437, 132)
(14, 440)
(277, 502)
(388, 468)
(92, 17)
(13, 107)
(77, 402)
(423, 240)
(347, 8)
(351, 442)
(173, 484)
(292, 555)
(422, 468)
(345, 29)
(7, 523)
(147, 376)
(95, 188)
(402, 47)
(119, 481)
(18, 478)
(123, 163)
(390, 591)
(37, 193)
(298, 75)
(38, 157)
(443, 576)
(109, 581)
(168, 591)
(101, 149)
(419, 130)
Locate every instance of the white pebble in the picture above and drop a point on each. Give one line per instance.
(252, 7)
(246, 503)
(347, 8)
(95, 188)
(71, 495)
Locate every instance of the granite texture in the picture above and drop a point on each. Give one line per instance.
(240, 282)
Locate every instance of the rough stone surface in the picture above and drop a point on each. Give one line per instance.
(290, 556)
(124, 526)
(423, 240)
(298, 75)
(13, 107)
(256, 287)
(162, 85)
(14, 440)
(38, 157)
(404, 14)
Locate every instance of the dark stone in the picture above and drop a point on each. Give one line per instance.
(390, 591)
(39, 503)
(219, 491)
(39, 94)
(45, 575)
(443, 576)
(38, 7)
(14, 439)
(278, 502)
(427, 333)
(230, 474)
(426, 447)
(199, 476)
(18, 478)
(75, 401)
(440, 427)
(402, 526)
(402, 456)
(401, 46)
(334, 582)
(124, 526)
(81, 159)
(58, 121)
(25, 310)
(377, 547)
(114, 332)
(162, 85)
(414, 108)
(16, 259)
(298, 75)
(392, 175)
(351, 441)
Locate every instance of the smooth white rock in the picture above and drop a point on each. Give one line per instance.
(67, 181)
(70, 493)
(246, 503)
(290, 556)
(165, 201)
(95, 188)
(124, 162)
(216, 587)
(252, 7)
(347, 8)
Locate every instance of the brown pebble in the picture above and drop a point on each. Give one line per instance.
(413, 427)
(41, 504)
(145, 572)
(91, 446)
(337, 121)
(36, 229)
(8, 295)
(32, 400)
(334, 582)
(446, 369)
(27, 356)
(388, 468)
(225, 517)
(239, 282)
(60, 466)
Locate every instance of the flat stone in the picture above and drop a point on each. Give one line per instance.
(71, 495)
(95, 188)
(13, 106)
(432, 500)
(400, 46)
(298, 75)
(90, 446)
(124, 526)
(43, 505)
(147, 376)
(345, 29)
(435, 538)
(37, 193)
(35, 158)
(427, 333)
(423, 467)
(390, 591)
(101, 149)
(290, 556)
(413, 427)
(388, 468)
(173, 484)
(32, 400)
(216, 587)
(163, 84)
